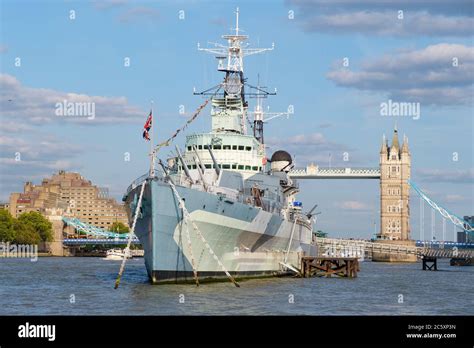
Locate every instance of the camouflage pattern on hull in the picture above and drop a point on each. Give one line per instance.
(248, 240)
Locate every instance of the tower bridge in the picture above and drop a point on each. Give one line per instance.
(393, 172)
(315, 172)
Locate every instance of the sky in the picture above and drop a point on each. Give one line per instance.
(335, 62)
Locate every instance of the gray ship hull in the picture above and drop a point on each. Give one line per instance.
(249, 241)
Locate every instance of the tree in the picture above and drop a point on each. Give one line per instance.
(25, 233)
(119, 227)
(39, 223)
(7, 233)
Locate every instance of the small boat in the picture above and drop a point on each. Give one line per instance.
(118, 254)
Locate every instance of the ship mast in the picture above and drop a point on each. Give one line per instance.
(234, 52)
(259, 114)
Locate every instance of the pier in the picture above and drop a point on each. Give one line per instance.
(346, 267)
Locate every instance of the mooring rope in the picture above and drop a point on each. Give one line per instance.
(187, 216)
(127, 249)
(190, 247)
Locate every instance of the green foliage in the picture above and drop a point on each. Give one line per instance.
(39, 224)
(119, 227)
(25, 233)
(7, 233)
(29, 228)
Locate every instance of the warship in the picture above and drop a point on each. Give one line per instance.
(219, 208)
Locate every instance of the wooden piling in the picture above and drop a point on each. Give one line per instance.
(346, 267)
(430, 263)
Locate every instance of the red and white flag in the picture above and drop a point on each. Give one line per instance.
(147, 127)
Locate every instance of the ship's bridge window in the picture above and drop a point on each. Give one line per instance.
(199, 147)
(260, 169)
(241, 167)
(254, 168)
(189, 148)
(226, 166)
(226, 147)
(206, 147)
(234, 166)
(247, 167)
(234, 147)
(241, 148)
(208, 166)
(194, 166)
(217, 147)
(248, 148)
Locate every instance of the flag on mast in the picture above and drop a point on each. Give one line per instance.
(147, 127)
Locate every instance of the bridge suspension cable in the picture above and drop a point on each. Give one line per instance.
(456, 220)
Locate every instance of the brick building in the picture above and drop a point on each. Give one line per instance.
(76, 196)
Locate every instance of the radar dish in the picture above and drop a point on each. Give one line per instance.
(233, 86)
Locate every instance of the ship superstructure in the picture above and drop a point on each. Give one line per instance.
(241, 204)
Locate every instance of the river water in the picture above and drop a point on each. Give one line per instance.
(84, 286)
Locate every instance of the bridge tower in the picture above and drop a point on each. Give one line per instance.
(395, 164)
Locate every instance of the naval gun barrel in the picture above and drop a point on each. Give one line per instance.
(185, 167)
(216, 165)
(200, 165)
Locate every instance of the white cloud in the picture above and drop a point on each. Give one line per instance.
(428, 18)
(139, 13)
(353, 205)
(108, 4)
(460, 176)
(310, 148)
(32, 157)
(38, 105)
(455, 198)
(439, 74)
